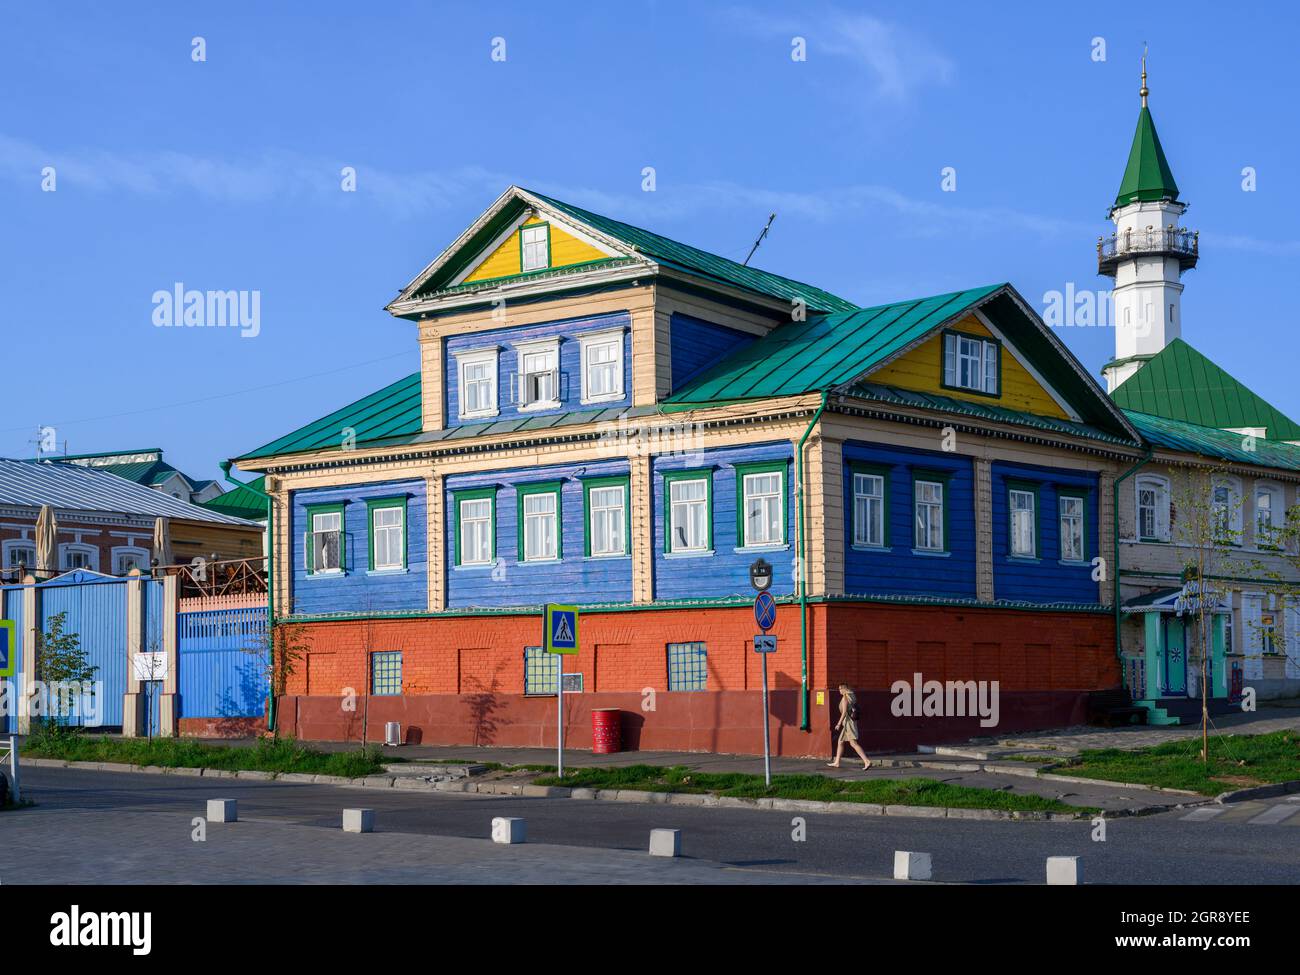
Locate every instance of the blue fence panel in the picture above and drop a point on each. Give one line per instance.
(222, 657)
(94, 608)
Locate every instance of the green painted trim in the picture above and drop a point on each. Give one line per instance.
(541, 487)
(801, 502)
(520, 233)
(474, 494)
(1026, 487)
(376, 504)
(1082, 495)
(325, 509)
(694, 474)
(943, 355)
(933, 476)
(592, 483)
(883, 471)
(781, 467)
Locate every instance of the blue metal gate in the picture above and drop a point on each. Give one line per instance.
(94, 608)
(222, 659)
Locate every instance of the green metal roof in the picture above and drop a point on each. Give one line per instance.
(1181, 383)
(1163, 431)
(826, 351)
(1147, 175)
(240, 502)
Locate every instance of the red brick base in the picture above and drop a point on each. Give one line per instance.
(462, 677)
(221, 727)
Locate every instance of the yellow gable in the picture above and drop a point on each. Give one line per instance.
(922, 370)
(566, 250)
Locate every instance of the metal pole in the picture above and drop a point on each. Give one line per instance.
(767, 733)
(13, 766)
(559, 718)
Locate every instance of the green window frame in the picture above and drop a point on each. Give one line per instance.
(312, 510)
(1031, 488)
(950, 378)
(590, 484)
(743, 471)
(1082, 497)
(530, 226)
(923, 475)
(704, 474)
(476, 494)
(524, 491)
(385, 504)
(883, 472)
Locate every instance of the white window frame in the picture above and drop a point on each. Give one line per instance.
(475, 357)
(522, 351)
(982, 355)
(119, 551)
(316, 549)
(1160, 511)
(524, 245)
(553, 516)
(1062, 521)
(22, 544)
(619, 537)
(1277, 515)
(1012, 512)
(602, 338)
(867, 515)
(930, 507)
(90, 551)
(779, 497)
(1235, 503)
(703, 543)
(463, 535)
(400, 528)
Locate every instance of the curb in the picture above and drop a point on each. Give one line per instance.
(408, 783)
(1259, 792)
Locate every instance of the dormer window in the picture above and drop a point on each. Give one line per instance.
(534, 247)
(971, 363)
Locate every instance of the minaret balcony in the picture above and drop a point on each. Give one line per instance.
(1176, 242)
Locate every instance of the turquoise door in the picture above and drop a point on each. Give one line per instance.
(1175, 658)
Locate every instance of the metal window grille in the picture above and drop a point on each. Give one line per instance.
(386, 672)
(541, 671)
(687, 667)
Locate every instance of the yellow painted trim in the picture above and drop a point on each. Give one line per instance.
(566, 249)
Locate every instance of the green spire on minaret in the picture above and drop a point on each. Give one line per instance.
(1147, 175)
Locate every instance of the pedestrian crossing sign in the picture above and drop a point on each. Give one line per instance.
(561, 625)
(8, 649)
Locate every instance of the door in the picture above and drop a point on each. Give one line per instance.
(1175, 657)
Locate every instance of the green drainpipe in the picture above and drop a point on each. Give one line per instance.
(803, 567)
(270, 583)
(1119, 649)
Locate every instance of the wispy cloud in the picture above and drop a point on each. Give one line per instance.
(896, 59)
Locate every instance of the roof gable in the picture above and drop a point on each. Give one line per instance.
(1180, 383)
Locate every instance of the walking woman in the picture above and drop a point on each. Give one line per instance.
(847, 726)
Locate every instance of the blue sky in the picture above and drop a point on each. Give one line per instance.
(224, 174)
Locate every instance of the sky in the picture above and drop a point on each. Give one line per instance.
(129, 164)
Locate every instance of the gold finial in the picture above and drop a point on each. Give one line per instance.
(1144, 91)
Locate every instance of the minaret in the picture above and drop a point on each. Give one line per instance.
(1147, 254)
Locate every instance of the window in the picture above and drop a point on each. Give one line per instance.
(607, 525)
(128, 557)
(387, 534)
(539, 377)
(689, 516)
(1152, 509)
(76, 555)
(1269, 515)
(539, 522)
(1268, 631)
(541, 671)
(1023, 505)
(1226, 511)
(602, 366)
(687, 667)
(478, 383)
(762, 492)
(972, 363)
(1072, 509)
(20, 552)
(869, 509)
(325, 539)
(534, 247)
(928, 500)
(386, 672)
(475, 516)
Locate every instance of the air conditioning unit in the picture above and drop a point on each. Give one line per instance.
(392, 733)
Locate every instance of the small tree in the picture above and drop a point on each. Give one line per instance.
(61, 661)
(279, 653)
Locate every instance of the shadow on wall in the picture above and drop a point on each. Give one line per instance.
(484, 703)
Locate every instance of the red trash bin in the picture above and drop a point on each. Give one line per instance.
(606, 731)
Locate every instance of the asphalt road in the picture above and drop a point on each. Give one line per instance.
(107, 827)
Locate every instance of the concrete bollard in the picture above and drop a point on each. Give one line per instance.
(358, 820)
(911, 866)
(223, 811)
(506, 829)
(1064, 872)
(665, 842)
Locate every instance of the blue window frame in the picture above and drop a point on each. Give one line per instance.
(541, 671)
(386, 672)
(687, 667)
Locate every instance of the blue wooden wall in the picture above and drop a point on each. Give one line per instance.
(358, 590)
(725, 571)
(575, 578)
(697, 345)
(508, 364)
(1045, 579)
(897, 569)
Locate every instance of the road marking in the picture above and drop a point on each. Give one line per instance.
(1202, 814)
(1243, 810)
(1274, 815)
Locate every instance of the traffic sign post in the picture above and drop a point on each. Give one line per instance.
(560, 636)
(760, 577)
